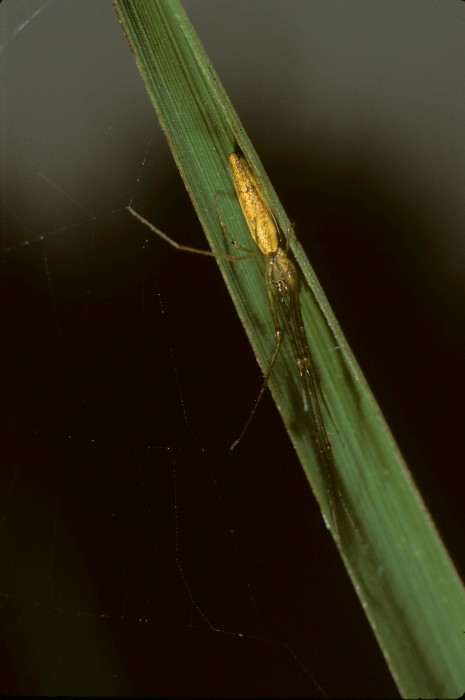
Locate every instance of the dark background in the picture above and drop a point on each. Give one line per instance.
(137, 556)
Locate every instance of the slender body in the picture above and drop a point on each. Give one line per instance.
(283, 291)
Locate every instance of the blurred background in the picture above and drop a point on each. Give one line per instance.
(137, 556)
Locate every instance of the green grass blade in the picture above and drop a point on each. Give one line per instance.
(401, 572)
